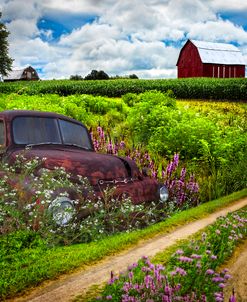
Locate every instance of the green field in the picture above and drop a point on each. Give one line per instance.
(196, 88)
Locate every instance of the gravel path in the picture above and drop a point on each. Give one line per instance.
(69, 286)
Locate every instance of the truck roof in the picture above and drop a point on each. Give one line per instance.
(11, 114)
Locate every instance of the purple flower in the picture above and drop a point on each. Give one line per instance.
(227, 276)
(195, 256)
(213, 257)
(219, 299)
(181, 271)
(168, 290)
(132, 266)
(233, 298)
(179, 252)
(217, 279)
(185, 259)
(209, 272)
(173, 273)
(225, 270)
(176, 159)
(127, 286)
(218, 294)
(182, 174)
(122, 145)
(109, 297)
(222, 285)
(110, 147)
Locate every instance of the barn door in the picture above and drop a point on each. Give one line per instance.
(29, 75)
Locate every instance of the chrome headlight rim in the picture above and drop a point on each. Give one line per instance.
(62, 210)
(163, 194)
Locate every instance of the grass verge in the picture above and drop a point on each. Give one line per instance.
(30, 267)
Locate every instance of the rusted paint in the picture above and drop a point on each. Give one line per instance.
(102, 170)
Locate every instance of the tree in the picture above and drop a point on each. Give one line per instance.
(97, 75)
(5, 60)
(133, 76)
(76, 77)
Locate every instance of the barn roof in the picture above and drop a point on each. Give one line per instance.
(14, 74)
(219, 53)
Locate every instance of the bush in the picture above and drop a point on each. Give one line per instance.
(97, 75)
(76, 77)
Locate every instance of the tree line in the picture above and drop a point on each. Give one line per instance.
(101, 75)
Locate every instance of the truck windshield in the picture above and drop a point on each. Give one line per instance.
(40, 130)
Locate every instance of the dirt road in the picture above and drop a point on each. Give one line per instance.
(238, 269)
(69, 286)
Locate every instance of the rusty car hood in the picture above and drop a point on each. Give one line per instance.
(94, 166)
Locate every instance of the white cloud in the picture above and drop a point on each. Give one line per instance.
(187, 11)
(155, 73)
(34, 52)
(129, 36)
(228, 5)
(78, 6)
(22, 29)
(17, 9)
(218, 31)
(90, 32)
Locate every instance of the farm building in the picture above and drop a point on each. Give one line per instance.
(207, 59)
(25, 74)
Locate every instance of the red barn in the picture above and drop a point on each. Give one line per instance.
(207, 59)
(24, 74)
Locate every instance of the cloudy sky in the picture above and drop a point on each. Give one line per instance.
(66, 37)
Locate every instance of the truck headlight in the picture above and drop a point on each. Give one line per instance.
(62, 210)
(164, 194)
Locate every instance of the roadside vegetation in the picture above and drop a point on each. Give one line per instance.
(27, 259)
(190, 274)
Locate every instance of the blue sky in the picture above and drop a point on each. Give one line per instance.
(62, 38)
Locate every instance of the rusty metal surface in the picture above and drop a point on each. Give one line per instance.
(102, 170)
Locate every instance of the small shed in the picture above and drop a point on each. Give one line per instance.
(208, 59)
(25, 74)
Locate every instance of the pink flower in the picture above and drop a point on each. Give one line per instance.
(179, 252)
(109, 297)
